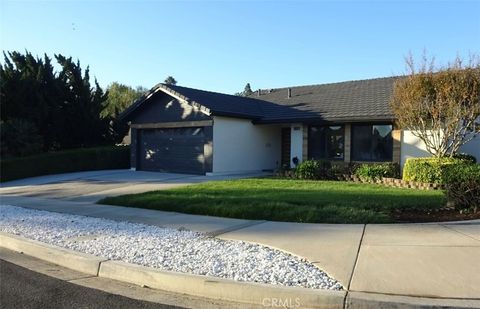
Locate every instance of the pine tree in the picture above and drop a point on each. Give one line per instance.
(247, 91)
(83, 105)
(170, 80)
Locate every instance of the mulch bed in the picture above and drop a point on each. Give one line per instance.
(442, 215)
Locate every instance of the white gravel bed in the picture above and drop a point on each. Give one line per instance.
(165, 248)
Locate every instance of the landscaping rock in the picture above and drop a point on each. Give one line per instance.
(164, 248)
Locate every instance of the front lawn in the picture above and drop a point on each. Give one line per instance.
(286, 200)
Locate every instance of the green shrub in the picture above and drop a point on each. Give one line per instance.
(431, 170)
(65, 162)
(375, 171)
(19, 137)
(465, 157)
(286, 171)
(339, 169)
(313, 169)
(463, 186)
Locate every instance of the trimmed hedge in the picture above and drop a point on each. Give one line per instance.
(463, 186)
(75, 160)
(376, 171)
(431, 170)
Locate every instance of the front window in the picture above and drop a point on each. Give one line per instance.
(326, 142)
(372, 142)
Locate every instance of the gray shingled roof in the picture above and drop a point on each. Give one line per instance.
(345, 101)
(222, 104)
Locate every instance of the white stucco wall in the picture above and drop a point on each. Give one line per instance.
(296, 144)
(472, 147)
(240, 146)
(413, 147)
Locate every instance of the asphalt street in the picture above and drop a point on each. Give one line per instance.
(23, 288)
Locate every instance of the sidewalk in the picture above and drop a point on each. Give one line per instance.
(423, 260)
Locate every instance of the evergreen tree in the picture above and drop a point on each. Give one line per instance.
(29, 94)
(170, 80)
(247, 91)
(83, 104)
(43, 110)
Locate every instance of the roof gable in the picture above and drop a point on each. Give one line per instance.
(211, 103)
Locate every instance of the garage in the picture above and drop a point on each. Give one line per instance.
(179, 150)
(172, 130)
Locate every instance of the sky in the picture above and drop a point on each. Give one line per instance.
(222, 45)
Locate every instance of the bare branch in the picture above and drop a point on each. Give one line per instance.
(440, 106)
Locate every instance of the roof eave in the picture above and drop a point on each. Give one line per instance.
(320, 119)
(235, 115)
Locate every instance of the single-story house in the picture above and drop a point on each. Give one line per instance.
(185, 130)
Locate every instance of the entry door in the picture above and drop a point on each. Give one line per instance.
(286, 139)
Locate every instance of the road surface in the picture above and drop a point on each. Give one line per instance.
(23, 288)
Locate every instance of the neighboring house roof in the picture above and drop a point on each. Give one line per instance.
(346, 101)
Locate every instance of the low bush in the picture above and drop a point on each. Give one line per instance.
(65, 161)
(313, 169)
(431, 170)
(339, 169)
(376, 171)
(465, 157)
(463, 186)
(286, 172)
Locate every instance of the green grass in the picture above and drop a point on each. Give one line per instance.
(286, 200)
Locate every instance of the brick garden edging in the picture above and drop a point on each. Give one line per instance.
(397, 183)
(389, 182)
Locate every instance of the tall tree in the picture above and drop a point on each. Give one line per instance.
(29, 92)
(83, 105)
(170, 80)
(44, 110)
(246, 91)
(440, 106)
(120, 97)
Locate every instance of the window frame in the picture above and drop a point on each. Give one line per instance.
(371, 124)
(342, 129)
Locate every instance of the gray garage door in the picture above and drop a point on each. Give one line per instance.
(178, 150)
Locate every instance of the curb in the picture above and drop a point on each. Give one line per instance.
(78, 261)
(218, 288)
(197, 285)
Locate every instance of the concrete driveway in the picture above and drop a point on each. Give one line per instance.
(92, 186)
